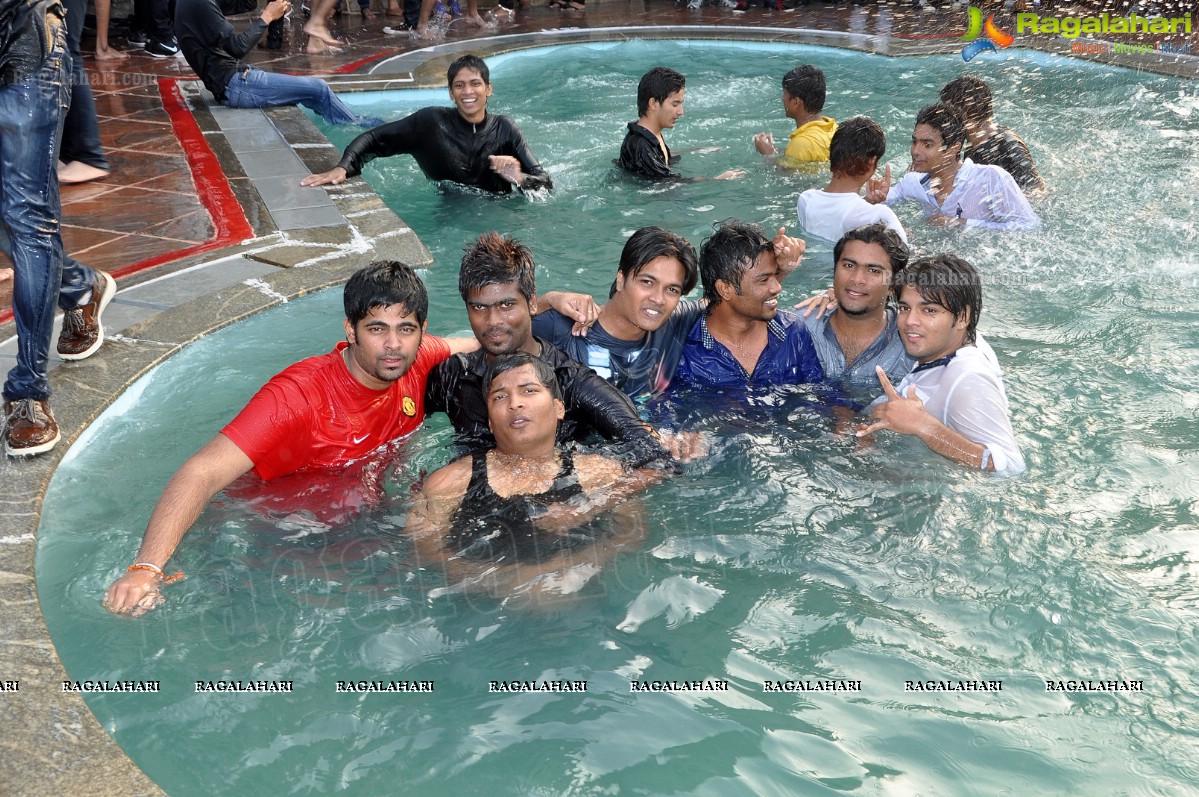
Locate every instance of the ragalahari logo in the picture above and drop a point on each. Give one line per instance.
(990, 35)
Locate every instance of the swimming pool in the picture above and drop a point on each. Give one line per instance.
(788, 556)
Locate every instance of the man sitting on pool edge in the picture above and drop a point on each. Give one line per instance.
(465, 144)
(523, 504)
(320, 413)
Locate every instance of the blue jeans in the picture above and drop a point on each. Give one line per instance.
(80, 131)
(30, 124)
(254, 88)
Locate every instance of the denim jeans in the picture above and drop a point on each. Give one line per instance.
(254, 88)
(80, 131)
(30, 124)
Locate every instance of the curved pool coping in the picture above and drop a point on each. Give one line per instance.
(55, 744)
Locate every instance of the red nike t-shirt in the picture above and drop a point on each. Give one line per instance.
(315, 414)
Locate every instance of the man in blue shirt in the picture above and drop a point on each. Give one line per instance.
(638, 339)
(861, 331)
(744, 340)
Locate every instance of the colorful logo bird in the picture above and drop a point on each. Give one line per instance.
(990, 34)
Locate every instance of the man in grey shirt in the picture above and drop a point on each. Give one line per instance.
(861, 331)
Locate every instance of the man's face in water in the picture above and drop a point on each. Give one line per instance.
(500, 317)
(469, 92)
(383, 345)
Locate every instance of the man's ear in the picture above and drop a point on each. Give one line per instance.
(350, 338)
(559, 409)
(725, 290)
(618, 284)
(533, 304)
(652, 106)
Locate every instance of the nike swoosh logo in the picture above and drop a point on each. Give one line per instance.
(358, 440)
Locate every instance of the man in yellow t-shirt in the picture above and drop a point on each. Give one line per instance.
(803, 100)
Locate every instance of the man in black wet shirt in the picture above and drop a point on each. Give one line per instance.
(464, 144)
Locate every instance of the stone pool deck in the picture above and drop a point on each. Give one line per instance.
(203, 223)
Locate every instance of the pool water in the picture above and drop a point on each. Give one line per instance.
(788, 554)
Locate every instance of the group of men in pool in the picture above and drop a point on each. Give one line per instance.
(535, 379)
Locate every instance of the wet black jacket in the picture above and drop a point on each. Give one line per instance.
(212, 48)
(592, 405)
(641, 154)
(447, 147)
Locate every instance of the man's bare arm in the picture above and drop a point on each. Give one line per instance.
(206, 473)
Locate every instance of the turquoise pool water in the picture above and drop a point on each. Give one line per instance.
(787, 555)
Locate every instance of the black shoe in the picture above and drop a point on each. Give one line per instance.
(159, 49)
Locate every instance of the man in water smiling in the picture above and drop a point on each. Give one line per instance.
(321, 413)
(465, 144)
(523, 503)
(953, 400)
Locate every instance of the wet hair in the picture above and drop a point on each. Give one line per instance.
(382, 284)
(728, 253)
(949, 281)
(510, 362)
(468, 61)
(806, 83)
(495, 260)
(946, 120)
(971, 96)
(658, 84)
(878, 233)
(856, 142)
(650, 243)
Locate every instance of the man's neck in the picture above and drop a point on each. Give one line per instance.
(649, 125)
(531, 346)
(744, 337)
(977, 134)
(804, 118)
(855, 332)
(618, 326)
(474, 123)
(945, 177)
(846, 184)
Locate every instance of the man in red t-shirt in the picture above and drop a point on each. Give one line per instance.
(320, 413)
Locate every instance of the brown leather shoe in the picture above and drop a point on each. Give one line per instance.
(82, 333)
(30, 427)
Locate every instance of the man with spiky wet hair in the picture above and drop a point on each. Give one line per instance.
(953, 400)
(744, 340)
(319, 414)
(804, 93)
(496, 282)
(987, 142)
(952, 191)
(464, 144)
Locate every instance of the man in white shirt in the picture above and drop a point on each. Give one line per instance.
(950, 190)
(857, 147)
(953, 400)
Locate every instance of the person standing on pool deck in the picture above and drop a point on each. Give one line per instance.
(952, 191)
(35, 66)
(987, 142)
(953, 400)
(804, 92)
(744, 340)
(464, 144)
(214, 52)
(660, 96)
(496, 283)
(318, 414)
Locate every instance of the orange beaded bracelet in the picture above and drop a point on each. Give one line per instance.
(156, 570)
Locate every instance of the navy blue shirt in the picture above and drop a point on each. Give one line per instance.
(640, 369)
(789, 358)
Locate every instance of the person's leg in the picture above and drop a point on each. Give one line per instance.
(30, 112)
(320, 39)
(255, 88)
(103, 16)
(80, 149)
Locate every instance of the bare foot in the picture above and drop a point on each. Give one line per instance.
(476, 21)
(107, 53)
(318, 47)
(394, 11)
(317, 31)
(424, 34)
(76, 172)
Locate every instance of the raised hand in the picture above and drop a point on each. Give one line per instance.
(877, 188)
(903, 414)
